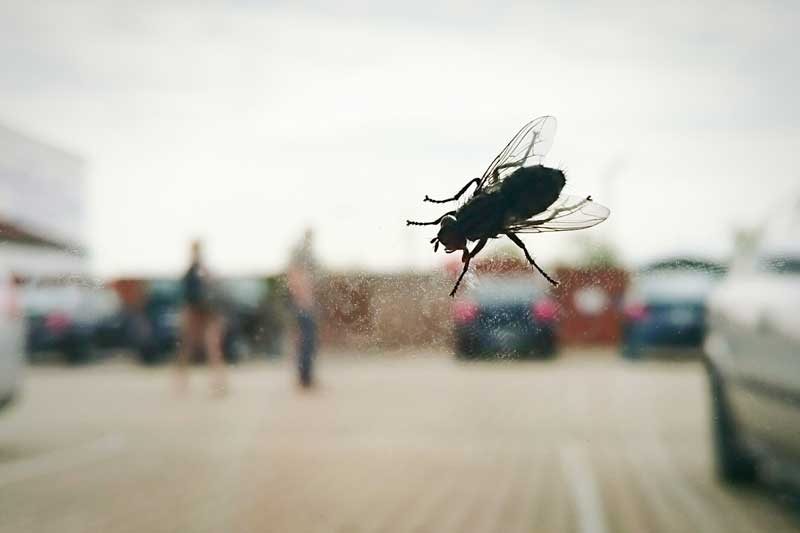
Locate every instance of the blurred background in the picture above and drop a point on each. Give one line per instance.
(657, 388)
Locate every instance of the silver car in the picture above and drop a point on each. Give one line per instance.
(12, 339)
(753, 355)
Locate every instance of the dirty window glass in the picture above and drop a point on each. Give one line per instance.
(399, 266)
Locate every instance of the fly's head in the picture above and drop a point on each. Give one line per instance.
(450, 236)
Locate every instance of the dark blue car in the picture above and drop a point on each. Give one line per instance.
(505, 316)
(665, 307)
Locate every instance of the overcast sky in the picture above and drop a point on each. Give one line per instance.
(243, 122)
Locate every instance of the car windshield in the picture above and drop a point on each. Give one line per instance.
(166, 290)
(42, 300)
(248, 292)
(676, 285)
(498, 290)
(779, 249)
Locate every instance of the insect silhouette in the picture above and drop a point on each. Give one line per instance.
(516, 194)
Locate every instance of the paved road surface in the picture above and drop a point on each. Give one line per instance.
(585, 444)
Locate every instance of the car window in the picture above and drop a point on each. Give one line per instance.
(45, 299)
(779, 249)
(504, 289)
(676, 285)
(248, 292)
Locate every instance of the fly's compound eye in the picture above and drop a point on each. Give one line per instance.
(448, 220)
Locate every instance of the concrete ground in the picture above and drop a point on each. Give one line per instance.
(404, 443)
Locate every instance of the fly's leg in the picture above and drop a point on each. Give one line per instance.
(476, 181)
(467, 257)
(478, 247)
(432, 223)
(516, 240)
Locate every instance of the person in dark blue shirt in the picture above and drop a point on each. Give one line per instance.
(201, 324)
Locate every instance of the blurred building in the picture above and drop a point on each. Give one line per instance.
(360, 310)
(590, 299)
(42, 208)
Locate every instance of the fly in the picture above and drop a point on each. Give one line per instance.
(516, 194)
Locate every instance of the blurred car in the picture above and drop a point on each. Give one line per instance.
(664, 307)
(63, 319)
(12, 338)
(112, 328)
(753, 357)
(113, 331)
(505, 316)
(244, 302)
(156, 328)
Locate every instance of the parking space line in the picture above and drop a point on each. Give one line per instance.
(61, 460)
(582, 484)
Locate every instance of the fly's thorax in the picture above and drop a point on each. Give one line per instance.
(482, 215)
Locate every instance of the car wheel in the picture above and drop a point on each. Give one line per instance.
(464, 356)
(547, 347)
(465, 349)
(6, 400)
(151, 354)
(734, 463)
(78, 350)
(234, 349)
(630, 351)
(148, 355)
(631, 347)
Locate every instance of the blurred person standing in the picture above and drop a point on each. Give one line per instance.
(300, 281)
(201, 324)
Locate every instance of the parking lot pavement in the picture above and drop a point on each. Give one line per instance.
(586, 443)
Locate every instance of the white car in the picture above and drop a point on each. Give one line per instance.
(753, 356)
(12, 339)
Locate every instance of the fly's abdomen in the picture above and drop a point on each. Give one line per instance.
(531, 190)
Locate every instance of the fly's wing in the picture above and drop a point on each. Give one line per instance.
(533, 140)
(568, 213)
